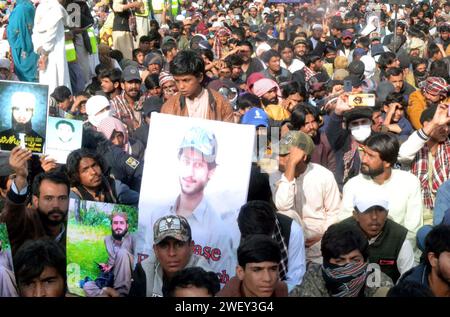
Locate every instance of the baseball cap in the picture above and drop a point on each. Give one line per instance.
(256, 116)
(356, 68)
(95, 104)
(153, 58)
(130, 73)
(176, 227)
(358, 113)
(298, 139)
(365, 199)
(347, 34)
(201, 140)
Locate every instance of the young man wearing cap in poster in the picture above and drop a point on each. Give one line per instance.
(172, 247)
(197, 164)
(127, 106)
(307, 192)
(388, 246)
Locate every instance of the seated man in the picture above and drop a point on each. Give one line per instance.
(434, 273)
(120, 247)
(89, 181)
(193, 282)
(257, 272)
(173, 252)
(344, 272)
(388, 246)
(40, 267)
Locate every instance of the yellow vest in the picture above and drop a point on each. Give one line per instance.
(174, 8)
(71, 54)
(93, 40)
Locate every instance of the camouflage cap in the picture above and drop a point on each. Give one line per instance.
(176, 227)
(298, 139)
(203, 141)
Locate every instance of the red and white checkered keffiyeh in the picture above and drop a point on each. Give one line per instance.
(218, 48)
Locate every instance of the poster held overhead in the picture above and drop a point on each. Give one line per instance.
(23, 116)
(63, 136)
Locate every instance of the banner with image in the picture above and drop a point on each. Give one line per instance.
(23, 117)
(199, 169)
(100, 247)
(63, 136)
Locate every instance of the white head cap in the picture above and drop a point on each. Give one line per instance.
(366, 198)
(23, 98)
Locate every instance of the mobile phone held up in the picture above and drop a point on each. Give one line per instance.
(361, 100)
(347, 85)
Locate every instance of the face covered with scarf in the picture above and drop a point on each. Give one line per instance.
(114, 130)
(221, 38)
(345, 276)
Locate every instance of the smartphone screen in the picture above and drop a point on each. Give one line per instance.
(347, 86)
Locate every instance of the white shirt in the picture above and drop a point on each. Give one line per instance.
(404, 197)
(295, 65)
(314, 195)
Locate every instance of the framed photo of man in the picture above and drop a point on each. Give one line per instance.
(23, 118)
(63, 136)
(199, 169)
(100, 247)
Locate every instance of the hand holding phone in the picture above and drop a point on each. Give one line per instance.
(347, 85)
(361, 100)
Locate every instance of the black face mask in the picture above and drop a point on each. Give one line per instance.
(330, 60)
(420, 74)
(175, 34)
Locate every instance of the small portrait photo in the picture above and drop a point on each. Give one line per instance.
(63, 136)
(23, 118)
(101, 240)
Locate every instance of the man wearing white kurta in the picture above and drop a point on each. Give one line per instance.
(49, 43)
(402, 188)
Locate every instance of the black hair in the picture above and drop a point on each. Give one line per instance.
(168, 46)
(433, 49)
(151, 81)
(394, 71)
(208, 53)
(289, 88)
(418, 61)
(248, 100)
(298, 116)
(187, 62)
(285, 44)
(193, 277)
(115, 75)
(239, 32)
(144, 38)
(364, 42)
(136, 51)
(437, 241)
(34, 256)
(246, 43)
(311, 59)
(256, 217)
(386, 59)
(439, 69)
(61, 93)
(54, 176)
(395, 97)
(65, 122)
(341, 239)
(428, 114)
(409, 289)
(234, 60)
(117, 55)
(385, 144)
(258, 248)
(259, 185)
(73, 164)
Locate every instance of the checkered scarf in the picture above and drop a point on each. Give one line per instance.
(348, 159)
(217, 44)
(346, 280)
(441, 171)
(308, 73)
(283, 267)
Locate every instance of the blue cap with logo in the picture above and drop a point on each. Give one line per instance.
(256, 116)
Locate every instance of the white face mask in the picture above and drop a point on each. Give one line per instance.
(361, 132)
(95, 120)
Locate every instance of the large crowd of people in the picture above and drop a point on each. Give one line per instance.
(351, 200)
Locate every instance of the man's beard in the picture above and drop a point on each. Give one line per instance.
(119, 236)
(266, 102)
(371, 172)
(45, 218)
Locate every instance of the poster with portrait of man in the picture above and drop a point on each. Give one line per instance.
(198, 169)
(23, 117)
(63, 136)
(100, 247)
